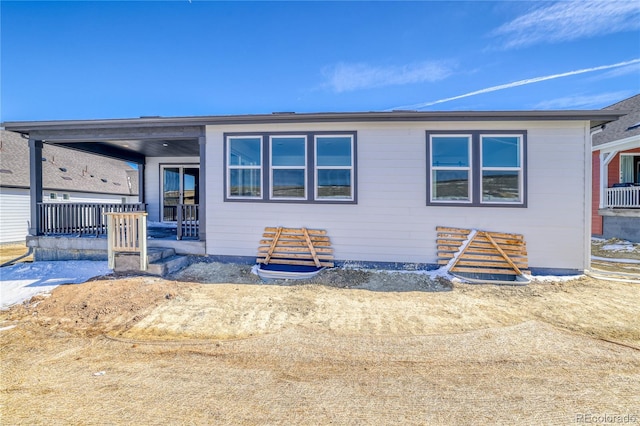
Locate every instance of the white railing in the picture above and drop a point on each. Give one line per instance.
(625, 197)
(79, 218)
(188, 225)
(127, 232)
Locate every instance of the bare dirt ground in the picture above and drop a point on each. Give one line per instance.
(10, 251)
(213, 345)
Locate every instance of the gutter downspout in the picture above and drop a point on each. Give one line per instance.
(17, 258)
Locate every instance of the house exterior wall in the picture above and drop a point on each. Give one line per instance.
(15, 208)
(391, 222)
(613, 171)
(14, 214)
(84, 197)
(153, 181)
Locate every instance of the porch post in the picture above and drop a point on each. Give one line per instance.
(604, 174)
(35, 183)
(202, 201)
(141, 193)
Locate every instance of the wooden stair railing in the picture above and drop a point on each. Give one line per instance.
(127, 232)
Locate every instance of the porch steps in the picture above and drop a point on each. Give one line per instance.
(162, 262)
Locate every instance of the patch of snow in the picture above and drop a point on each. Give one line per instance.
(23, 281)
(621, 246)
(609, 259)
(162, 225)
(553, 278)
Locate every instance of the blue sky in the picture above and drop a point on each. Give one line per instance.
(119, 59)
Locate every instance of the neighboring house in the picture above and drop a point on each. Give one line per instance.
(616, 174)
(69, 176)
(379, 183)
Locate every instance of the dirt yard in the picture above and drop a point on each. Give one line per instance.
(10, 251)
(213, 345)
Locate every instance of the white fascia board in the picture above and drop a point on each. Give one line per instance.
(619, 145)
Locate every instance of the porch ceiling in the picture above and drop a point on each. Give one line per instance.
(144, 147)
(129, 143)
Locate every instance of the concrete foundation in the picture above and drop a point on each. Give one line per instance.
(83, 248)
(623, 227)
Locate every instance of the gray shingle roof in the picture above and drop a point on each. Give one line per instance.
(623, 128)
(65, 169)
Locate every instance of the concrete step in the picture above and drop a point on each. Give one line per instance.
(155, 254)
(161, 261)
(168, 265)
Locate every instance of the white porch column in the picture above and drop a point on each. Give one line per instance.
(605, 159)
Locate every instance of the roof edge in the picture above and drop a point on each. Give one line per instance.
(597, 117)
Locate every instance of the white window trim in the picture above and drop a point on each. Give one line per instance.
(272, 167)
(241, 167)
(626, 154)
(467, 168)
(317, 168)
(518, 169)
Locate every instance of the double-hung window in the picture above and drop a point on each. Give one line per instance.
(291, 167)
(244, 167)
(476, 168)
(334, 168)
(501, 168)
(451, 168)
(288, 167)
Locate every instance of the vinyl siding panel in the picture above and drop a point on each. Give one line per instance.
(14, 214)
(391, 221)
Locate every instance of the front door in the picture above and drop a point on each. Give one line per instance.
(179, 186)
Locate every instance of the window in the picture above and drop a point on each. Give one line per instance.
(501, 168)
(291, 167)
(450, 168)
(65, 196)
(244, 179)
(334, 168)
(476, 168)
(53, 196)
(288, 167)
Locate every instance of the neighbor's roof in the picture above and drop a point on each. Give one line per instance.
(625, 127)
(596, 117)
(64, 169)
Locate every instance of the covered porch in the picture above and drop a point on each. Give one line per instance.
(619, 172)
(618, 192)
(167, 156)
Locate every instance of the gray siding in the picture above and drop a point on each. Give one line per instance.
(391, 222)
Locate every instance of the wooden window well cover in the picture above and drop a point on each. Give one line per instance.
(295, 246)
(480, 252)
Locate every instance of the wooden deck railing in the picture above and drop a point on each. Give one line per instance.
(127, 232)
(79, 218)
(188, 225)
(624, 197)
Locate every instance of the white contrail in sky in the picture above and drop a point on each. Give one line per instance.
(521, 83)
